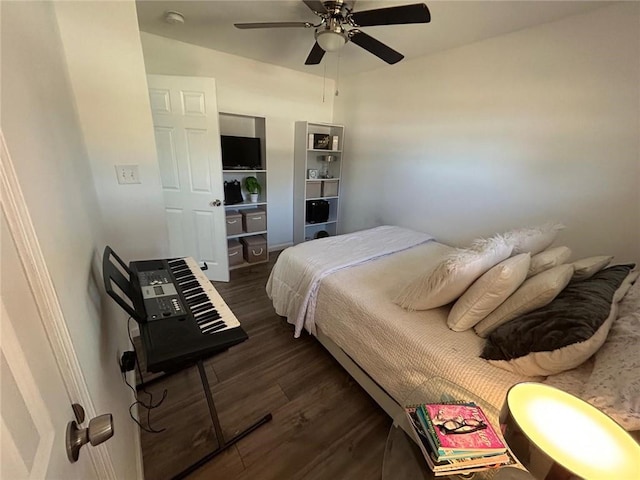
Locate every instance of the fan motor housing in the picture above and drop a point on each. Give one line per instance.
(331, 25)
(337, 5)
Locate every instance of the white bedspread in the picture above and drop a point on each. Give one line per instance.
(403, 350)
(295, 279)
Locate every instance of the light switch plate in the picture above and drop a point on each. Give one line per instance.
(127, 174)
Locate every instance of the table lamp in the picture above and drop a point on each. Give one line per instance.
(557, 436)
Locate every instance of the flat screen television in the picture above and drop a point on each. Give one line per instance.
(240, 153)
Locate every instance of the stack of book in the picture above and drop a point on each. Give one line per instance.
(457, 438)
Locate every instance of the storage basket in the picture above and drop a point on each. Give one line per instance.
(255, 248)
(254, 220)
(234, 222)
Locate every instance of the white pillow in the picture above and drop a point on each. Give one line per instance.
(532, 239)
(450, 278)
(534, 293)
(548, 259)
(488, 291)
(588, 267)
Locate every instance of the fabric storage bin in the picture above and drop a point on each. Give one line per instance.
(255, 248)
(234, 252)
(314, 189)
(234, 222)
(254, 220)
(330, 188)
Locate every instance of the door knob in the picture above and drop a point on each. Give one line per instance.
(215, 203)
(100, 430)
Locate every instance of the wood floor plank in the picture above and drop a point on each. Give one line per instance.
(227, 465)
(324, 427)
(355, 454)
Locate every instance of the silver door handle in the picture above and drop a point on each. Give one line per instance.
(100, 430)
(215, 203)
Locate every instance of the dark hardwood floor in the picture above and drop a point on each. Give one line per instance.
(324, 427)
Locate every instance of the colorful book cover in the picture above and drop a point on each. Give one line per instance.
(457, 428)
(432, 438)
(452, 465)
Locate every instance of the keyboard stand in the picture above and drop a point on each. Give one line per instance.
(222, 443)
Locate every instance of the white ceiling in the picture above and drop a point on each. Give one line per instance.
(453, 23)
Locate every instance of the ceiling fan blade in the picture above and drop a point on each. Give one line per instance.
(315, 55)
(416, 13)
(244, 26)
(376, 47)
(315, 5)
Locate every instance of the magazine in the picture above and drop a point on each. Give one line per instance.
(462, 461)
(459, 429)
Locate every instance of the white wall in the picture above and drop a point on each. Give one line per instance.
(55, 139)
(539, 124)
(106, 70)
(248, 87)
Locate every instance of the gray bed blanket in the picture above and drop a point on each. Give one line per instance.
(572, 317)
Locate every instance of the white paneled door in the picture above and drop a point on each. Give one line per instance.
(35, 404)
(185, 119)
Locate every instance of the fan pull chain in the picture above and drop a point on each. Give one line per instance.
(338, 73)
(324, 81)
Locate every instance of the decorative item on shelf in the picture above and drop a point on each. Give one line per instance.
(232, 192)
(319, 141)
(321, 234)
(540, 422)
(312, 173)
(324, 169)
(253, 187)
(335, 143)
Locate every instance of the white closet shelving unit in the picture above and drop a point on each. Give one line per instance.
(246, 126)
(324, 187)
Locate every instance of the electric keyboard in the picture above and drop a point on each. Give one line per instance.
(204, 325)
(182, 316)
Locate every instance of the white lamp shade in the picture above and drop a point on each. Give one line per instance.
(330, 41)
(574, 434)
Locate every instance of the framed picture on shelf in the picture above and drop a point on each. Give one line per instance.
(312, 173)
(319, 141)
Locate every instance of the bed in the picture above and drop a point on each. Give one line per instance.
(341, 290)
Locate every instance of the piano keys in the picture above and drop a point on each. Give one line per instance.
(182, 317)
(209, 310)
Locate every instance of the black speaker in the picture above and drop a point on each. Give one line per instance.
(317, 211)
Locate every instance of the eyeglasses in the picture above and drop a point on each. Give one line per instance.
(460, 425)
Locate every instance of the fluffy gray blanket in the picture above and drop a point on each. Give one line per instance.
(572, 317)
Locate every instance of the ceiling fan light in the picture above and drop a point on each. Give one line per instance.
(331, 41)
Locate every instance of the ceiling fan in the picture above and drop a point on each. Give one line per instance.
(335, 15)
